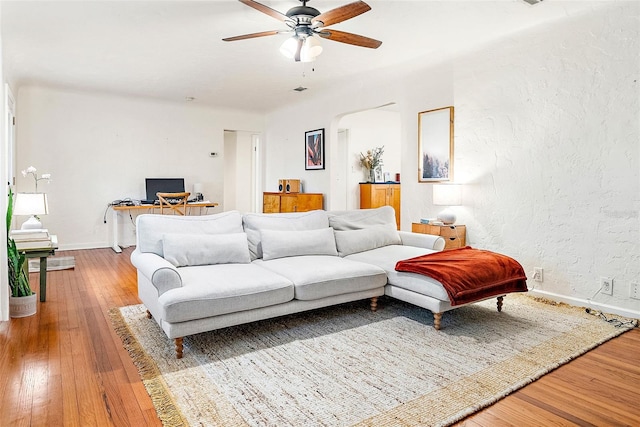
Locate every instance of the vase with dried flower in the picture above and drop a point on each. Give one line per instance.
(372, 162)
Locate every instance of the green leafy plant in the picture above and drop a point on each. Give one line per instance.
(18, 278)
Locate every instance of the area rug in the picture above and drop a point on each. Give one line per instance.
(345, 365)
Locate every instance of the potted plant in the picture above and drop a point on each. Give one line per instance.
(22, 301)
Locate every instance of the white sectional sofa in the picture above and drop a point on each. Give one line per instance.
(201, 273)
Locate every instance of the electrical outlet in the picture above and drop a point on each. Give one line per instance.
(634, 290)
(538, 274)
(606, 285)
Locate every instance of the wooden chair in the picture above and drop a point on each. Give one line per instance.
(178, 208)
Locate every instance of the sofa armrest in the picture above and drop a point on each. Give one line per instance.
(427, 241)
(160, 272)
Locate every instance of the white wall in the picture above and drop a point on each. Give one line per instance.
(547, 140)
(4, 278)
(238, 171)
(100, 148)
(367, 130)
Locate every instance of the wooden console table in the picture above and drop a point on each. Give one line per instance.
(149, 208)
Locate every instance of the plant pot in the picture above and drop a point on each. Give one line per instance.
(23, 306)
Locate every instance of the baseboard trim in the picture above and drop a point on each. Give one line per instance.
(606, 308)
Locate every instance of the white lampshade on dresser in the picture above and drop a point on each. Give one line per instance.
(447, 195)
(32, 204)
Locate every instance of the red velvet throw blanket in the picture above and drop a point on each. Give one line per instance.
(469, 274)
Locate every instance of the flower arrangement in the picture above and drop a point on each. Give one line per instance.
(371, 162)
(373, 159)
(32, 171)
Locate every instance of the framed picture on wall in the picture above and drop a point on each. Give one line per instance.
(435, 145)
(314, 149)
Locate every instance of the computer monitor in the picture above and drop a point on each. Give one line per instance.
(163, 185)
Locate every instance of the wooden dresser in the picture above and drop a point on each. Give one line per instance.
(382, 194)
(291, 202)
(453, 235)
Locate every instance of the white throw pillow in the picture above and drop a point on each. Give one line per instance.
(254, 223)
(280, 244)
(183, 250)
(354, 241)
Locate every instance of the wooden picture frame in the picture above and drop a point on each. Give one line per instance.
(314, 149)
(435, 145)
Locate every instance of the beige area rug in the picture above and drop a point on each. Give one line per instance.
(345, 365)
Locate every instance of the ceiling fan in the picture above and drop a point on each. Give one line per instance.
(306, 24)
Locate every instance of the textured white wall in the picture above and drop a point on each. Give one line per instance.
(546, 138)
(99, 148)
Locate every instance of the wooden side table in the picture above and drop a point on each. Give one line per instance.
(454, 235)
(42, 251)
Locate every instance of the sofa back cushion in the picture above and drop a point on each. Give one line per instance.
(184, 250)
(364, 229)
(151, 228)
(361, 218)
(254, 223)
(281, 244)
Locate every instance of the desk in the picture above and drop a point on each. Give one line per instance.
(149, 208)
(43, 253)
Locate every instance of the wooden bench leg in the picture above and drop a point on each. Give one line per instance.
(437, 317)
(179, 348)
(374, 303)
(149, 315)
(499, 303)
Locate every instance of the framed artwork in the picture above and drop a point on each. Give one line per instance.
(314, 149)
(435, 145)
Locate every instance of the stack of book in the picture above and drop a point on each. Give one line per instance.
(31, 238)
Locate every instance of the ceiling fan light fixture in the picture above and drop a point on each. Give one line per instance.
(310, 49)
(289, 47)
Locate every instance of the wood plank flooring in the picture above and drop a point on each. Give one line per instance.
(65, 366)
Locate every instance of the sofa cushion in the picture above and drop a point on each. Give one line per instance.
(204, 249)
(212, 290)
(150, 228)
(362, 218)
(320, 276)
(352, 241)
(280, 244)
(254, 223)
(387, 257)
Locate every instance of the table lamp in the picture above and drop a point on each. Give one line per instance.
(197, 189)
(31, 204)
(447, 195)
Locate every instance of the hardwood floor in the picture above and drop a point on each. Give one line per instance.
(65, 366)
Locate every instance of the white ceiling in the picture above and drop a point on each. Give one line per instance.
(173, 49)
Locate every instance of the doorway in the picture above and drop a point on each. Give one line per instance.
(242, 171)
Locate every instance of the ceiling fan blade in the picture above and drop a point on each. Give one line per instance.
(252, 35)
(342, 13)
(265, 9)
(349, 38)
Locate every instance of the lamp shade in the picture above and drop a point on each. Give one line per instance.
(31, 204)
(289, 47)
(198, 188)
(447, 194)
